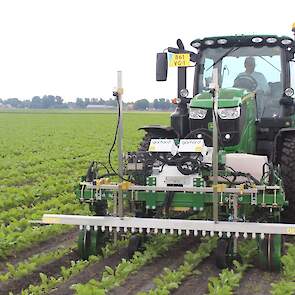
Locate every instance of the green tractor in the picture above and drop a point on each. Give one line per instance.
(225, 166)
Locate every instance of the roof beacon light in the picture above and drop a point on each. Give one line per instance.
(209, 42)
(196, 44)
(221, 41)
(257, 39)
(271, 40)
(286, 41)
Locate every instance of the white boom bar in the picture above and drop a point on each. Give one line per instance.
(171, 225)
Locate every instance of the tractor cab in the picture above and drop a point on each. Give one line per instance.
(263, 67)
(255, 78)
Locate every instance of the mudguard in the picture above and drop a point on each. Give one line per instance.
(161, 131)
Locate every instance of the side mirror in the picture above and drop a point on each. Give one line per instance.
(162, 67)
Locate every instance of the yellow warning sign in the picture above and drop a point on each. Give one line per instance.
(291, 231)
(179, 60)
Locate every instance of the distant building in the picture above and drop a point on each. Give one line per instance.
(99, 106)
(5, 106)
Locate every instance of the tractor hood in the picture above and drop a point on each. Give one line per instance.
(228, 98)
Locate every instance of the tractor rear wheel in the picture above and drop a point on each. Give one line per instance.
(287, 162)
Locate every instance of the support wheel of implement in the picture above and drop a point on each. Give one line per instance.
(90, 242)
(135, 244)
(270, 252)
(224, 254)
(287, 163)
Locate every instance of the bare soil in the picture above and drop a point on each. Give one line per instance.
(258, 282)
(198, 284)
(143, 280)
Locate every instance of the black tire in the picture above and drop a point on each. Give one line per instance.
(287, 162)
(221, 254)
(134, 245)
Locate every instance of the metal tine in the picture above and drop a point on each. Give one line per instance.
(220, 234)
(195, 232)
(148, 230)
(125, 229)
(163, 231)
(262, 236)
(88, 227)
(245, 235)
(212, 233)
(228, 234)
(103, 228)
(179, 232)
(156, 230)
(96, 228)
(118, 229)
(237, 234)
(110, 229)
(171, 231)
(81, 227)
(133, 229)
(204, 233)
(187, 232)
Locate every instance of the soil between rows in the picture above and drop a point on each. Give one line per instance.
(258, 282)
(50, 269)
(143, 279)
(198, 284)
(62, 240)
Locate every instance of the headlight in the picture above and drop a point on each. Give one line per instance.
(195, 113)
(289, 91)
(229, 113)
(183, 93)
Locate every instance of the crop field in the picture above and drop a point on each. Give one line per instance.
(42, 156)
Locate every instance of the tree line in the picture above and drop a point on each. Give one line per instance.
(56, 102)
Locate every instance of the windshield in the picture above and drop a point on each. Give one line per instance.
(250, 68)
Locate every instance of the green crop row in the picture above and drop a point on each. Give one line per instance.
(112, 278)
(48, 283)
(229, 279)
(31, 264)
(171, 279)
(286, 286)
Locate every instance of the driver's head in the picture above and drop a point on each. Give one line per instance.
(249, 64)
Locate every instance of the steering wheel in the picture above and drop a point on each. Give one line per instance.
(245, 81)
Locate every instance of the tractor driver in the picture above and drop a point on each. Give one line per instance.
(258, 77)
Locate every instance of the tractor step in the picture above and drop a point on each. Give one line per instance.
(179, 226)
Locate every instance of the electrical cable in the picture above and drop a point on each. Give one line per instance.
(115, 139)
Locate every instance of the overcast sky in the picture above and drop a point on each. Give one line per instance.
(74, 48)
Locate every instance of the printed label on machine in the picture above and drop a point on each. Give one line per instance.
(191, 146)
(179, 59)
(163, 146)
